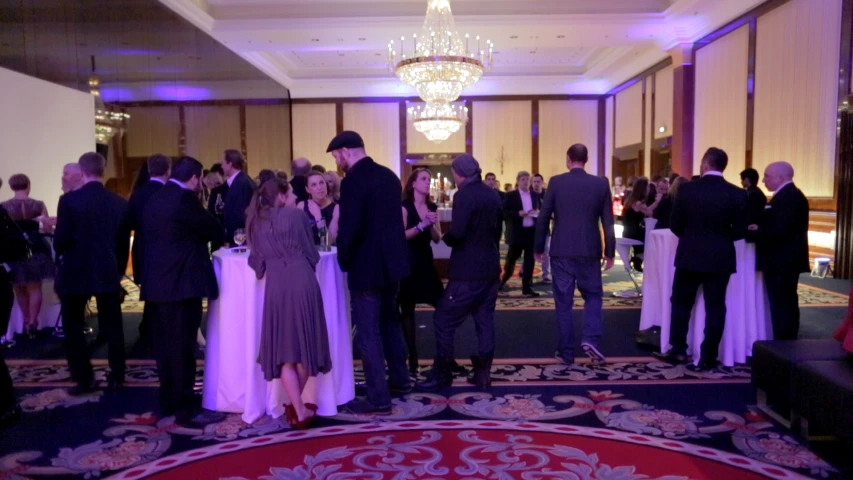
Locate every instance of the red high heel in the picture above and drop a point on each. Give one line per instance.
(305, 424)
(290, 414)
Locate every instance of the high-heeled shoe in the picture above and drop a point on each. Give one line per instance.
(32, 329)
(305, 424)
(290, 414)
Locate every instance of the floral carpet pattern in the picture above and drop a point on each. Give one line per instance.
(544, 432)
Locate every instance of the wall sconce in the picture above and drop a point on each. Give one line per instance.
(662, 129)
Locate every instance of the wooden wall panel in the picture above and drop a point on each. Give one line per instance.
(268, 138)
(379, 126)
(663, 102)
(210, 131)
(313, 128)
(503, 126)
(152, 130)
(562, 124)
(629, 115)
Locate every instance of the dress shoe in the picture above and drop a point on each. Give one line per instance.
(671, 357)
(481, 374)
(401, 389)
(10, 417)
(82, 389)
(361, 406)
(440, 376)
(563, 359)
(115, 384)
(705, 365)
(531, 294)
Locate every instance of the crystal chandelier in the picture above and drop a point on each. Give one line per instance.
(441, 64)
(108, 120)
(438, 121)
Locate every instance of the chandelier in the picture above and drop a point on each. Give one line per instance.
(438, 121)
(440, 64)
(108, 119)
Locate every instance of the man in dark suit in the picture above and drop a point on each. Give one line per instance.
(521, 207)
(537, 184)
(92, 240)
(178, 274)
(372, 250)
(301, 167)
(492, 181)
(708, 216)
(755, 198)
(216, 202)
(580, 204)
(159, 168)
(10, 412)
(783, 248)
(474, 267)
(240, 190)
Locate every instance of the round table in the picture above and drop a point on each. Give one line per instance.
(233, 380)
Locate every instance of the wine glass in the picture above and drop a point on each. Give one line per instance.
(240, 238)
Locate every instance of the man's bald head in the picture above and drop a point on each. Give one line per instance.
(301, 167)
(72, 177)
(777, 174)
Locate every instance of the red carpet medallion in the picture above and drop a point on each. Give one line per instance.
(456, 449)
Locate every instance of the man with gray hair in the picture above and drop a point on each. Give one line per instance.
(474, 268)
(783, 248)
(301, 168)
(72, 177)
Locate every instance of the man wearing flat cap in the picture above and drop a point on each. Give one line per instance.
(372, 250)
(474, 269)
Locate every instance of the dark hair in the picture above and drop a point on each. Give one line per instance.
(235, 158)
(18, 182)
(639, 193)
(656, 178)
(264, 175)
(537, 175)
(716, 159)
(676, 186)
(409, 191)
(263, 199)
(578, 153)
(217, 168)
(750, 174)
(159, 165)
(92, 164)
(186, 168)
(673, 177)
(492, 175)
(281, 175)
(142, 177)
(318, 168)
(695, 177)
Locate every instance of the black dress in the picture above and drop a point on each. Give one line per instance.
(326, 214)
(423, 285)
(634, 227)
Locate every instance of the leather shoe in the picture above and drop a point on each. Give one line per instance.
(115, 384)
(671, 357)
(400, 389)
(10, 417)
(82, 389)
(531, 294)
(364, 407)
(705, 365)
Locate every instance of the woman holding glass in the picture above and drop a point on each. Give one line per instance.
(423, 284)
(294, 340)
(322, 211)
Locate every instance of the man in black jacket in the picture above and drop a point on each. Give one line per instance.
(474, 267)
(755, 198)
(216, 202)
(10, 412)
(521, 206)
(178, 274)
(159, 168)
(240, 190)
(708, 216)
(92, 240)
(492, 181)
(372, 250)
(783, 248)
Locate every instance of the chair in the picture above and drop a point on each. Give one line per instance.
(623, 248)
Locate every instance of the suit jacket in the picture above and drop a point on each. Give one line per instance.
(236, 202)
(756, 201)
(515, 223)
(177, 229)
(91, 241)
(137, 202)
(581, 204)
(372, 246)
(475, 233)
(708, 216)
(300, 188)
(783, 245)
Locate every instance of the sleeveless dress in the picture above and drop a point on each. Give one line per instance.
(326, 214)
(423, 284)
(633, 223)
(40, 266)
(294, 326)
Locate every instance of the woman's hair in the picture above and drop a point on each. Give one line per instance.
(335, 187)
(213, 180)
(142, 177)
(409, 191)
(675, 185)
(314, 173)
(263, 199)
(640, 191)
(265, 175)
(18, 182)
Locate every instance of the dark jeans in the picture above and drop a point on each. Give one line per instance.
(784, 304)
(685, 285)
(585, 273)
(7, 393)
(109, 319)
(524, 245)
(174, 326)
(459, 300)
(379, 339)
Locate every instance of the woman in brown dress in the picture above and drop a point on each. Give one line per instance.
(294, 341)
(28, 275)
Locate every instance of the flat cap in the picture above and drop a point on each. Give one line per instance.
(345, 139)
(466, 166)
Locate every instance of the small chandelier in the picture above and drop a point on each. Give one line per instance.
(438, 121)
(108, 119)
(441, 65)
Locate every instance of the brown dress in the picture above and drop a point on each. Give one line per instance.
(294, 328)
(40, 266)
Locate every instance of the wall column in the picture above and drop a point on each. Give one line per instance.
(684, 88)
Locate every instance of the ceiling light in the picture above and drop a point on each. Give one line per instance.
(438, 121)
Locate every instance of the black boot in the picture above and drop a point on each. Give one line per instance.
(481, 376)
(440, 376)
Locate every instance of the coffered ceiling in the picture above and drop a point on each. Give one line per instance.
(336, 48)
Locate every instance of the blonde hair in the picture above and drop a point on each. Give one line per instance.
(333, 181)
(213, 180)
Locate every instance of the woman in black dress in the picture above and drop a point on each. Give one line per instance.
(423, 285)
(634, 218)
(321, 210)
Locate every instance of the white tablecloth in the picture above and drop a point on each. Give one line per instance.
(233, 380)
(48, 314)
(445, 214)
(747, 310)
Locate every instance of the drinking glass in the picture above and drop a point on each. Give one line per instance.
(240, 238)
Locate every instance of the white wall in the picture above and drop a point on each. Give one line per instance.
(43, 126)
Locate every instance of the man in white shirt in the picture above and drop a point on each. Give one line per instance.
(521, 207)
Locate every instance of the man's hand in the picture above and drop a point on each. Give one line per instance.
(753, 228)
(608, 263)
(522, 213)
(539, 257)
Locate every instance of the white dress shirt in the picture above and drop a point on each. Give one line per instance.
(180, 184)
(232, 177)
(527, 205)
(782, 186)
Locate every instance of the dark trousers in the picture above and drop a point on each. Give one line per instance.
(110, 324)
(784, 304)
(174, 330)
(379, 339)
(459, 300)
(7, 393)
(685, 286)
(585, 273)
(523, 245)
